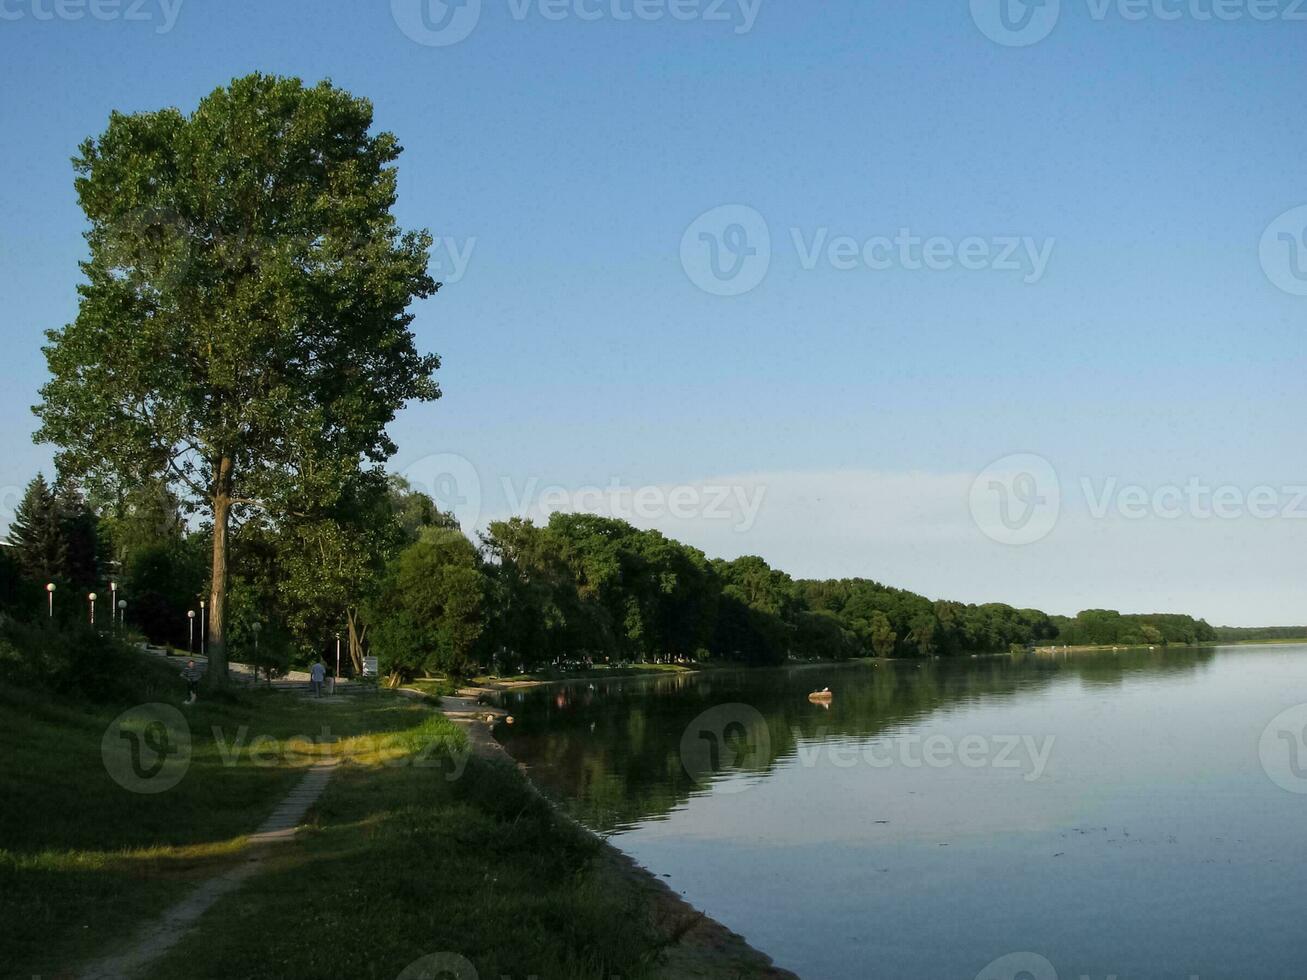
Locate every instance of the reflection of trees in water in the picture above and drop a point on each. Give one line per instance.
(611, 750)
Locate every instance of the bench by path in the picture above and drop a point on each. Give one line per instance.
(162, 935)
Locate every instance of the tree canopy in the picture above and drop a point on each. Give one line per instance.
(243, 328)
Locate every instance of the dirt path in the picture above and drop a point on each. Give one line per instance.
(162, 935)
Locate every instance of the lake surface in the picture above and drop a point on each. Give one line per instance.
(1133, 814)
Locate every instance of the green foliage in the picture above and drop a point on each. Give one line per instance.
(414, 511)
(587, 587)
(243, 331)
(164, 581)
(81, 534)
(1107, 627)
(430, 611)
(143, 518)
(77, 661)
(1241, 634)
(37, 534)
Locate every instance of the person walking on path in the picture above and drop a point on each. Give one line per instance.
(191, 675)
(317, 673)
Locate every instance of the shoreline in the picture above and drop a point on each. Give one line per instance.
(694, 944)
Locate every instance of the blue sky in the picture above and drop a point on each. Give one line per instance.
(566, 158)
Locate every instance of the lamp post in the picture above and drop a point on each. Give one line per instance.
(122, 615)
(49, 589)
(336, 680)
(256, 628)
(204, 632)
(92, 597)
(113, 604)
(190, 615)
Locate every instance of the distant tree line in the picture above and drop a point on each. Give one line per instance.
(1236, 634)
(1107, 627)
(398, 579)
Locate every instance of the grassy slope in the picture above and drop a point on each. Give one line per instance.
(403, 860)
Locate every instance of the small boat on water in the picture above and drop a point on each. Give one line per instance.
(821, 696)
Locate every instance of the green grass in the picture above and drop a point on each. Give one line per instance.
(414, 849)
(406, 862)
(437, 687)
(82, 859)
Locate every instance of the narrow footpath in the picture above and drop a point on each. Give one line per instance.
(164, 933)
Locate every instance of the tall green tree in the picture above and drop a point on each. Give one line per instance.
(37, 534)
(81, 534)
(430, 613)
(243, 329)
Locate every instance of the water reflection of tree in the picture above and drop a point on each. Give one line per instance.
(611, 750)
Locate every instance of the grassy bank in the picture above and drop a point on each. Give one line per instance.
(406, 861)
(414, 848)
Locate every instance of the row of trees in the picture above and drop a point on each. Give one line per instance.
(297, 585)
(401, 580)
(584, 588)
(1107, 627)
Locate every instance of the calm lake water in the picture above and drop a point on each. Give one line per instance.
(1133, 814)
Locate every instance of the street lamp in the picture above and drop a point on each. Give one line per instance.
(256, 628)
(122, 615)
(92, 597)
(204, 632)
(50, 591)
(190, 615)
(113, 604)
(336, 680)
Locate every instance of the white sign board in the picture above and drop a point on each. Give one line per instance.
(369, 666)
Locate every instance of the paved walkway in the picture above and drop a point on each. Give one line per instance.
(161, 936)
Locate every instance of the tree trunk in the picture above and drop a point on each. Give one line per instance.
(216, 675)
(356, 638)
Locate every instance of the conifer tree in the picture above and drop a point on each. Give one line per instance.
(37, 534)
